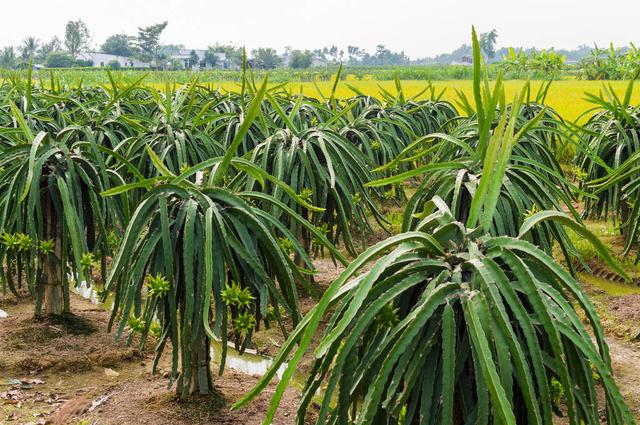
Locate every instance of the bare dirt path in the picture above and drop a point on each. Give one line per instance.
(74, 372)
(625, 359)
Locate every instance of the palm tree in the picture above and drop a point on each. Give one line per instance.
(28, 48)
(8, 57)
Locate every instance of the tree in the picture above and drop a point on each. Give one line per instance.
(194, 59)
(210, 58)
(488, 43)
(331, 173)
(266, 58)
(53, 45)
(516, 138)
(28, 48)
(333, 53)
(59, 60)
(58, 216)
(207, 254)
(119, 45)
(76, 37)
(608, 163)
(456, 322)
(148, 41)
(232, 53)
(8, 57)
(301, 59)
(451, 325)
(384, 56)
(355, 54)
(320, 53)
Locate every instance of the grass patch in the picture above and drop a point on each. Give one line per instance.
(608, 286)
(610, 237)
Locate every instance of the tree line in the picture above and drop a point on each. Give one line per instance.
(145, 46)
(67, 53)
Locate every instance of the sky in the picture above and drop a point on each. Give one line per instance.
(420, 28)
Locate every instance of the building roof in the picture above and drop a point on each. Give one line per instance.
(185, 54)
(97, 57)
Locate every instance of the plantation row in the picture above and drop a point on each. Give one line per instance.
(201, 211)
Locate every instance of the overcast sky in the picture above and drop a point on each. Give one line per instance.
(419, 27)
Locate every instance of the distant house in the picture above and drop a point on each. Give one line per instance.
(183, 56)
(463, 61)
(285, 59)
(316, 61)
(97, 59)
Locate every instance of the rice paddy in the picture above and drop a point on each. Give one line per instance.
(567, 97)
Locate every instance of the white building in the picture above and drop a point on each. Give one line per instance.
(463, 61)
(184, 57)
(103, 59)
(316, 61)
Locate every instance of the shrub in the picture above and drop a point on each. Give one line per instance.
(59, 60)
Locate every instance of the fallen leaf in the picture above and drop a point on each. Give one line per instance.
(110, 372)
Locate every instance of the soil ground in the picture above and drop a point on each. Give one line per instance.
(62, 373)
(71, 371)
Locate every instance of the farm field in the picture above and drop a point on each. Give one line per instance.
(566, 96)
(239, 253)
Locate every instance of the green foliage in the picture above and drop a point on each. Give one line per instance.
(185, 225)
(157, 285)
(203, 246)
(488, 43)
(461, 318)
(51, 177)
(464, 343)
(266, 58)
(325, 169)
(8, 58)
(607, 161)
(236, 296)
(547, 62)
(76, 37)
(119, 45)
(213, 201)
(59, 60)
(148, 41)
(609, 64)
(300, 59)
(87, 261)
(46, 247)
(501, 158)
